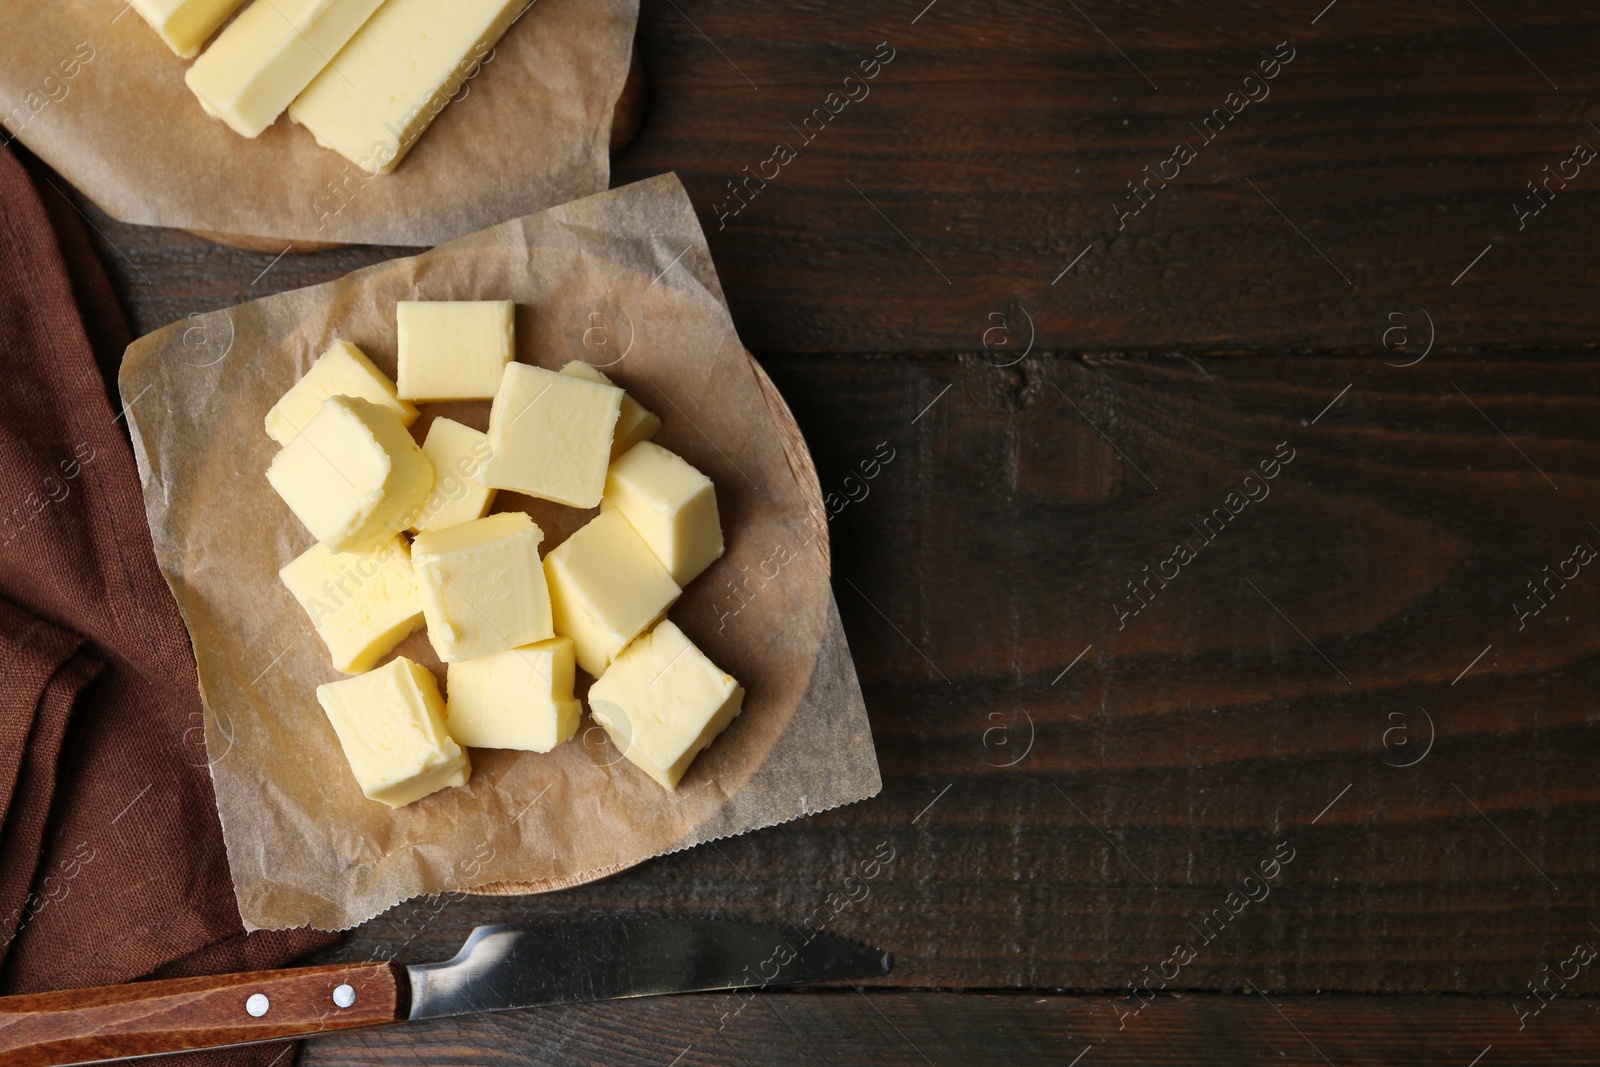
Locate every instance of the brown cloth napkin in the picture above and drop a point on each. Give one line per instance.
(111, 858)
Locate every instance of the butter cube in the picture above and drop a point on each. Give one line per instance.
(362, 604)
(483, 590)
(520, 698)
(635, 423)
(606, 588)
(397, 73)
(186, 24)
(550, 436)
(268, 54)
(663, 701)
(354, 476)
(343, 370)
(672, 506)
(454, 349)
(456, 452)
(390, 724)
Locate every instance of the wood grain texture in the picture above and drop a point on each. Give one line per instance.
(1002, 135)
(977, 575)
(918, 1029)
(179, 1014)
(997, 141)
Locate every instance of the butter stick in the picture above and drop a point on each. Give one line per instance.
(606, 588)
(483, 590)
(267, 55)
(520, 698)
(185, 25)
(343, 370)
(397, 73)
(362, 604)
(390, 723)
(550, 436)
(353, 476)
(671, 506)
(663, 701)
(635, 422)
(453, 349)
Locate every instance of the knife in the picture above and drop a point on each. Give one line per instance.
(498, 969)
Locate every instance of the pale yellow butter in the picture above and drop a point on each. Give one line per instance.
(453, 349)
(390, 724)
(456, 452)
(550, 436)
(267, 55)
(483, 590)
(354, 476)
(520, 698)
(635, 422)
(343, 370)
(606, 588)
(397, 73)
(185, 25)
(362, 604)
(663, 701)
(671, 505)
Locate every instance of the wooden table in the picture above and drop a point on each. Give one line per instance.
(1344, 740)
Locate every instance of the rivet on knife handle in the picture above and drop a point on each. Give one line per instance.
(180, 1014)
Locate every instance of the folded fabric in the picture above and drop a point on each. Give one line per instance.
(112, 865)
(42, 669)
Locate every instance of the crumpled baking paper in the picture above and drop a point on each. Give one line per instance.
(624, 280)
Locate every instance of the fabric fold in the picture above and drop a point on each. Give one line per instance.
(42, 671)
(112, 865)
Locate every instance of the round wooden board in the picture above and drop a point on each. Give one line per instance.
(805, 473)
(626, 119)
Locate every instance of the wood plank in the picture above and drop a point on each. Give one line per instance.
(1390, 153)
(917, 1029)
(1263, 702)
(1001, 140)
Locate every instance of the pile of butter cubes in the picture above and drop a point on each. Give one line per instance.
(509, 627)
(366, 77)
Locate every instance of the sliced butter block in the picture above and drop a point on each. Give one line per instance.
(354, 476)
(453, 349)
(635, 422)
(390, 724)
(456, 452)
(606, 588)
(672, 506)
(343, 370)
(520, 698)
(663, 701)
(186, 24)
(267, 55)
(550, 435)
(483, 590)
(397, 73)
(362, 604)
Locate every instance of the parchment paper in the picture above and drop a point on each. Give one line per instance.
(623, 279)
(529, 131)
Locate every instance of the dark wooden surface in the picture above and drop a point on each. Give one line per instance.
(988, 1030)
(1051, 440)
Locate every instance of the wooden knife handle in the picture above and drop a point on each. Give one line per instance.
(180, 1014)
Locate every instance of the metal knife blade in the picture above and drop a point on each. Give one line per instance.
(525, 965)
